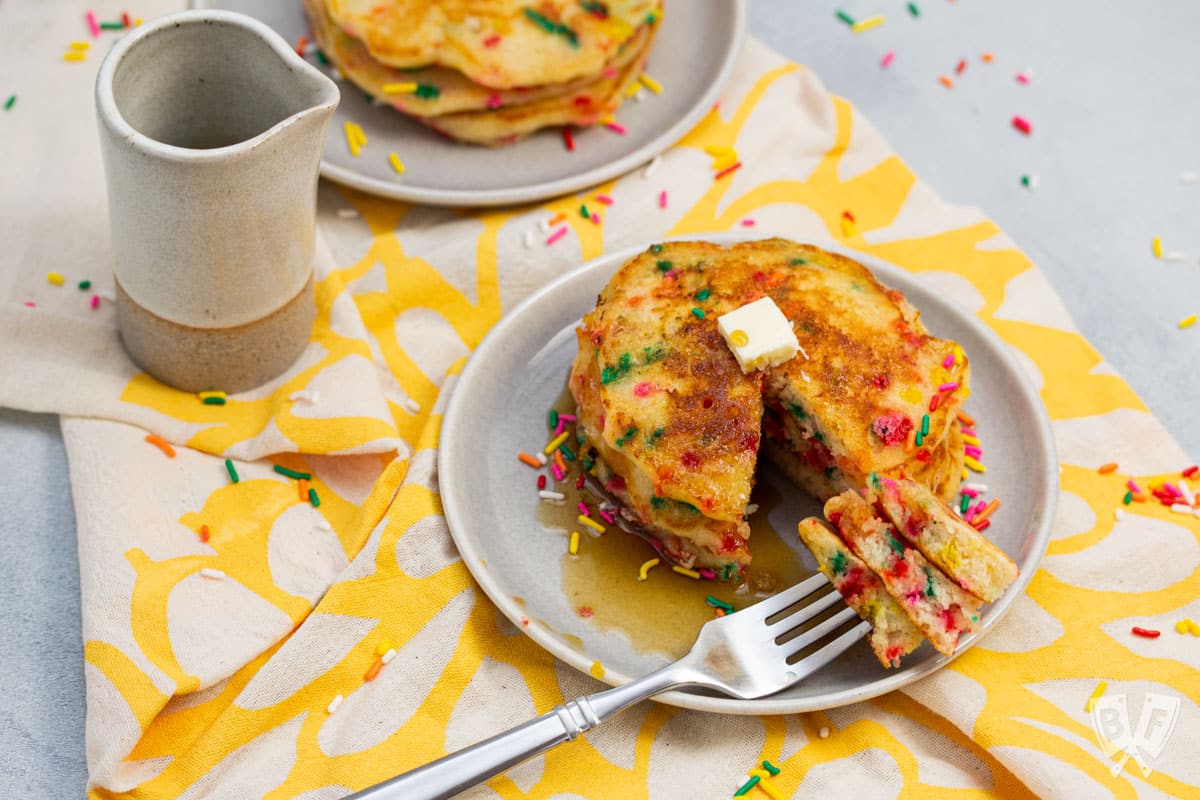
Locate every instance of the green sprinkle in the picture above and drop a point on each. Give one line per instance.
(837, 562)
(653, 353)
(313, 498)
(232, 470)
(746, 787)
(213, 401)
(656, 248)
(698, 313)
(1128, 498)
(12, 98)
(628, 437)
(291, 473)
(552, 419)
(771, 768)
(85, 285)
(896, 545)
(567, 452)
(873, 480)
(964, 504)
(594, 7)
(820, 437)
(427, 91)
(608, 375)
(658, 502)
(925, 425)
(370, 98)
(663, 265)
(795, 262)
(721, 604)
(728, 571)
(654, 437)
(796, 410)
(112, 26)
(321, 57)
(583, 212)
(846, 18)
(625, 361)
(588, 464)
(929, 592)
(919, 439)
(912, 9)
(974, 618)
(549, 26)
(703, 294)
(688, 507)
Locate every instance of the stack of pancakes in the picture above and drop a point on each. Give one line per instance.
(489, 71)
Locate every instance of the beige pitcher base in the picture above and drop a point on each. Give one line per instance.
(226, 359)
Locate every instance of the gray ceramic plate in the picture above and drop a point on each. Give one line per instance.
(518, 372)
(692, 56)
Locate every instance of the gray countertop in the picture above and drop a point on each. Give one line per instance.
(1112, 103)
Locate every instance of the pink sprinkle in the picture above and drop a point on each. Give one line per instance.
(607, 517)
(948, 387)
(662, 199)
(617, 127)
(558, 234)
(641, 389)
(558, 473)
(495, 101)
(969, 432)
(567, 417)
(30, 304)
(949, 362)
(595, 218)
(583, 509)
(95, 301)
(92, 25)
(1133, 487)
(1022, 124)
(887, 59)
(970, 492)
(973, 451)
(1022, 78)
(707, 574)
(558, 429)
(609, 72)
(747, 223)
(605, 199)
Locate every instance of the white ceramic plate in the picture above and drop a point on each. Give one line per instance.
(691, 57)
(498, 408)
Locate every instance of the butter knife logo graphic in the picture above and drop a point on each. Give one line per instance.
(1115, 733)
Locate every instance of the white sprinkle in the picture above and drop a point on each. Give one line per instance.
(527, 239)
(541, 457)
(1189, 177)
(412, 406)
(652, 167)
(107, 295)
(1173, 255)
(554, 497)
(347, 213)
(742, 589)
(337, 74)
(387, 657)
(1119, 514)
(544, 226)
(824, 732)
(802, 351)
(324, 526)
(473, 23)
(978, 487)
(639, 95)
(1034, 180)
(1189, 496)
(214, 574)
(1180, 508)
(334, 704)
(804, 375)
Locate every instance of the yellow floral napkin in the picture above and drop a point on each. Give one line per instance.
(223, 620)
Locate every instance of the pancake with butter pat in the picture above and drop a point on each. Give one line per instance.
(499, 44)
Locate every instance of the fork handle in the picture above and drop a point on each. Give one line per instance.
(459, 771)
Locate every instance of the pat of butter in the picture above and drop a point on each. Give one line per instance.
(759, 335)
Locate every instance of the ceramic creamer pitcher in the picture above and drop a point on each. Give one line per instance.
(212, 128)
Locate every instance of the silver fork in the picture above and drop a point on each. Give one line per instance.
(744, 655)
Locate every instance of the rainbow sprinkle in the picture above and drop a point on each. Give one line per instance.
(1096, 695)
(867, 24)
(643, 571)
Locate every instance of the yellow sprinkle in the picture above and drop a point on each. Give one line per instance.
(1187, 322)
(597, 670)
(970, 440)
(847, 227)
(974, 465)
(55, 278)
(739, 338)
(591, 523)
(550, 448)
(632, 89)
(1182, 626)
(80, 45)
(716, 150)
(724, 162)
(137, 22)
(74, 55)
(1156, 244)
(383, 646)
(608, 119)
(650, 83)
(1193, 628)
(646, 567)
(1096, 695)
(206, 395)
(866, 24)
(573, 548)
(964, 474)
(358, 134)
(764, 783)
(351, 138)
(396, 163)
(399, 88)
(691, 573)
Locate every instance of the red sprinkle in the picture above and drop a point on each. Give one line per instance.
(541, 481)
(1022, 124)
(1146, 633)
(962, 65)
(1190, 471)
(492, 40)
(568, 139)
(585, 611)
(126, 21)
(933, 402)
(204, 533)
(983, 526)
(579, 482)
(300, 45)
(848, 215)
(727, 171)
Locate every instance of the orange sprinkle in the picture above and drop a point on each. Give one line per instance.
(987, 512)
(374, 670)
(1138, 497)
(1107, 468)
(300, 45)
(161, 444)
(558, 459)
(720, 612)
(557, 218)
(965, 419)
(911, 441)
(302, 485)
(946, 81)
(988, 58)
(530, 460)
(204, 533)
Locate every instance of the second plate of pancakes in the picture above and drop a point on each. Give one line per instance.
(691, 56)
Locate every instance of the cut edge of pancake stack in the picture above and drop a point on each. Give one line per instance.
(489, 73)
